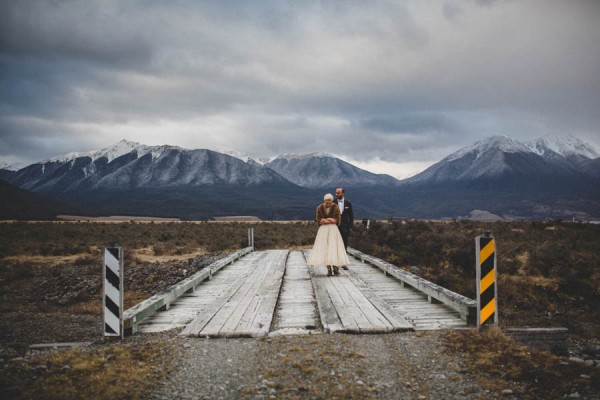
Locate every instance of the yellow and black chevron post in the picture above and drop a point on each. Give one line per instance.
(487, 290)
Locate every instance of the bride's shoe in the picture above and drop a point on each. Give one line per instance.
(329, 271)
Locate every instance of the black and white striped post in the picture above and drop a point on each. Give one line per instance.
(487, 289)
(251, 237)
(112, 300)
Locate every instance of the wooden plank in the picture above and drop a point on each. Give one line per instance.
(410, 304)
(367, 317)
(184, 310)
(345, 309)
(329, 317)
(195, 327)
(259, 320)
(396, 320)
(241, 325)
(266, 312)
(237, 317)
(229, 315)
(349, 324)
(136, 314)
(464, 306)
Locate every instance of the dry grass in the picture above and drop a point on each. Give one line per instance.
(148, 254)
(117, 372)
(167, 238)
(49, 261)
(542, 282)
(498, 360)
(93, 307)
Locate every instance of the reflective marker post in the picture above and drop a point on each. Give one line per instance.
(487, 289)
(112, 300)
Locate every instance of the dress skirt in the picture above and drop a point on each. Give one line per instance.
(328, 248)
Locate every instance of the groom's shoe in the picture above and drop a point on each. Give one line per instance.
(344, 267)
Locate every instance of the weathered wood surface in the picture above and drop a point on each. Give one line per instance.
(245, 310)
(467, 308)
(296, 311)
(408, 302)
(274, 291)
(187, 307)
(345, 306)
(135, 315)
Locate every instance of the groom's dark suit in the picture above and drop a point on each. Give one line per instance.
(347, 220)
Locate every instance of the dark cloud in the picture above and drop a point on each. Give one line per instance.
(376, 80)
(410, 123)
(33, 139)
(93, 32)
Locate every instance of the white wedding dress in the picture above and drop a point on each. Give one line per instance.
(328, 248)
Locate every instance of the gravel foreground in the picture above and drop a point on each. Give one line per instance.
(323, 366)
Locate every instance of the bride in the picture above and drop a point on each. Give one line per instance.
(329, 247)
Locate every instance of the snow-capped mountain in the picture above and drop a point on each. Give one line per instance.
(319, 170)
(127, 165)
(111, 152)
(569, 147)
(240, 156)
(314, 170)
(501, 156)
(9, 166)
(548, 177)
(509, 178)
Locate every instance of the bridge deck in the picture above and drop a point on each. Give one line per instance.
(296, 308)
(274, 291)
(408, 302)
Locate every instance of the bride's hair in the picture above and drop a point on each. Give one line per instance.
(328, 196)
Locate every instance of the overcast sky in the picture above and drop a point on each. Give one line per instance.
(391, 86)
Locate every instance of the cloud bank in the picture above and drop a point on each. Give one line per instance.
(391, 85)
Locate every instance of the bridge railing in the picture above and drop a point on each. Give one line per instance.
(161, 301)
(467, 308)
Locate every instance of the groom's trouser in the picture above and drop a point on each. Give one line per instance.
(344, 232)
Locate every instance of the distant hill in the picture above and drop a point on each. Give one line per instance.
(16, 203)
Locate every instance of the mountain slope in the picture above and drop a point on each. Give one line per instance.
(549, 178)
(5, 174)
(570, 148)
(507, 177)
(318, 170)
(497, 157)
(128, 165)
(16, 203)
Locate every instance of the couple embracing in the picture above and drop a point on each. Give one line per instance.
(335, 219)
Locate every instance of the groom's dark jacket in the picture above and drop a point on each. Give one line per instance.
(347, 217)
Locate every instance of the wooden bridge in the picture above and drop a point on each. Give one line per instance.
(257, 293)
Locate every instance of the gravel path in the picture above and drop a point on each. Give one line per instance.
(402, 365)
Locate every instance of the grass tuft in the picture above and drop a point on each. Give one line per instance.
(119, 371)
(497, 359)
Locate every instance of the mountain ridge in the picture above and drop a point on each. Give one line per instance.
(500, 156)
(500, 175)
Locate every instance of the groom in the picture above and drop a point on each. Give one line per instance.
(347, 215)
